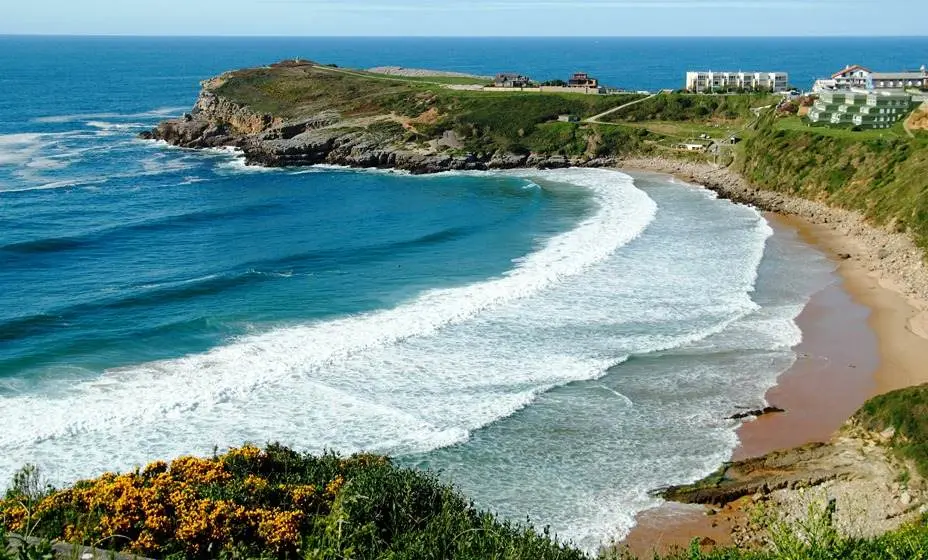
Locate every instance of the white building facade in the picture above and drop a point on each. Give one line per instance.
(708, 81)
(859, 77)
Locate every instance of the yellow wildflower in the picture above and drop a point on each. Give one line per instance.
(334, 486)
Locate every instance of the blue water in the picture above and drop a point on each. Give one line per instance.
(557, 343)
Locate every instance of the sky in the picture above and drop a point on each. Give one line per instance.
(466, 17)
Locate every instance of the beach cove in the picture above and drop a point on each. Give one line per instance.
(863, 335)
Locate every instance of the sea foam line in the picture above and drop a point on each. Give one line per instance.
(151, 392)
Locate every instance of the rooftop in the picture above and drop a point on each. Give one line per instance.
(899, 75)
(850, 68)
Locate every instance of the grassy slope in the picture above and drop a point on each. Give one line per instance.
(880, 175)
(692, 108)
(906, 413)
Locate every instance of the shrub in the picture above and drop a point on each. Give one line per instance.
(274, 503)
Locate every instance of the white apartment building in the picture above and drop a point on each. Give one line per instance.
(708, 81)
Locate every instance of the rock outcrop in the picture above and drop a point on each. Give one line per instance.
(856, 475)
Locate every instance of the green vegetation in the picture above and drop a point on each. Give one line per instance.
(445, 80)
(816, 538)
(905, 412)
(294, 92)
(272, 503)
(485, 121)
(694, 107)
(520, 123)
(879, 175)
(801, 124)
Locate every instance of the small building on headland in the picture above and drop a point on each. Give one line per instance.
(861, 108)
(511, 80)
(711, 81)
(568, 118)
(582, 80)
(692, 147)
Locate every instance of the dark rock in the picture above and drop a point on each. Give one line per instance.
(844, 256)
(756, 413)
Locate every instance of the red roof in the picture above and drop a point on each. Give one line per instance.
(849, 69)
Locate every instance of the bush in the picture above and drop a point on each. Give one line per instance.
(275, 503)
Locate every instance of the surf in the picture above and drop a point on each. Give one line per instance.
(166, 390)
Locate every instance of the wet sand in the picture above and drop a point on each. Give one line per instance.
(859, 339)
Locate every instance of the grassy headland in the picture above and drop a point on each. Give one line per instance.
(485, 121)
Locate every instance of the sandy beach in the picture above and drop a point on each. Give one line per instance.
(861, 337)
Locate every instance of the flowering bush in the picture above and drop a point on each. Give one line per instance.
(271, 503)
(196, 506)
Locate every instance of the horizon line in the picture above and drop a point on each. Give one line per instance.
(271, 36)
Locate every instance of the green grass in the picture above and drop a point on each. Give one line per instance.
(446, 80)
(690, 130)
(906, 413)
(296, 92)
(522, 122)
(693, 107)
(880, 175)
(802, 125)
(908, 543)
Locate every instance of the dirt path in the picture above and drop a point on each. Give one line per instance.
(595, 118)
(917, 120)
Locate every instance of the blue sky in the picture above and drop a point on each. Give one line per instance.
(466, 17)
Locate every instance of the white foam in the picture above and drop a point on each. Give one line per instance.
(384, 171)
(106, 128)
(18, 149)
(431, 371)
(155, 113)
(156, 393)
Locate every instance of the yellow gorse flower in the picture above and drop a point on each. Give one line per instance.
(196, 505)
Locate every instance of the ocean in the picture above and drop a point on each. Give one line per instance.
(554, 343)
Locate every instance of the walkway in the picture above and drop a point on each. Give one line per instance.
(595, 118)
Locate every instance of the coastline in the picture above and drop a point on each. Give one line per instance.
(876, 303)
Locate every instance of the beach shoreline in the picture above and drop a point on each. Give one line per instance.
(863, 335)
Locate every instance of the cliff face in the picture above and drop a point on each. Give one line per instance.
(328, 138)
(213, 122)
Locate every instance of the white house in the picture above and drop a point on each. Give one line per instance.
(855, 76)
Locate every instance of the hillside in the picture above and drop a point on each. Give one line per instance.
(879, 175)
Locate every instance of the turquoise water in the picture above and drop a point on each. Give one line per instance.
(556, 343)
